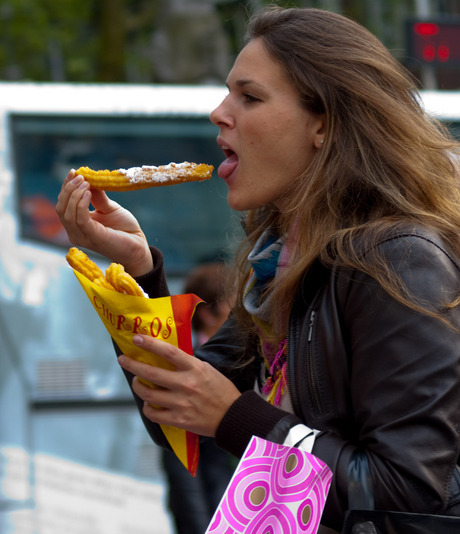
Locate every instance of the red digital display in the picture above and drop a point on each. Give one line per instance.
(436, 41)
(426, 29)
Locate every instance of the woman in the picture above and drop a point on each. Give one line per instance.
(345, 336)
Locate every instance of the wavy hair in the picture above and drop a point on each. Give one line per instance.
(384, 162)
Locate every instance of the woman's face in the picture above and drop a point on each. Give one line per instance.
(268, 138)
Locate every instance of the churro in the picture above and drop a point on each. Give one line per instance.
(136, 178)
(79, 261)
(122, 281)
(115, 278)
(103, 282)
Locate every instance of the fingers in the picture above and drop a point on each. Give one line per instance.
(63, 196)
(72, 190)
(160, 377)
(193, 396)
(84, 227)
(172, 387)
(73, 207)
(76, 183)
(70, 176)
(101, 202)
(170, 401)
(176, 357)
(109, 229)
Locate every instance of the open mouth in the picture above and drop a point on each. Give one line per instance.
(227, 151)
(228, 166)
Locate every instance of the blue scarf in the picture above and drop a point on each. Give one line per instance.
(267, 258)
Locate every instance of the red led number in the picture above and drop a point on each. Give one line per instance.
(426, 29)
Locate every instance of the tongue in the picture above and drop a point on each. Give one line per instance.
(228, 166)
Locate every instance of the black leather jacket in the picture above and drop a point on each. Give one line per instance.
(379, 380)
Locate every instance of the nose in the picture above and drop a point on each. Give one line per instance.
(221, 116)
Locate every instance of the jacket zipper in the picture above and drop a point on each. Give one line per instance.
(288, 366)
(312, 381)
(312, 320)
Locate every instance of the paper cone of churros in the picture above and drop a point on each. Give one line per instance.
(125, 310)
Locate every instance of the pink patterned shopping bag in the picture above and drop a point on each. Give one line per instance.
(276, 489)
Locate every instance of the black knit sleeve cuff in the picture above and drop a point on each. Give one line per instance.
(250, 415)
(154, 282)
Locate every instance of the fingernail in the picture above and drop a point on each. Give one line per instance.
(77, 180)
(138, 340)
(121, 359)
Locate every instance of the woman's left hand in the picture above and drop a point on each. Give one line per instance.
(194, 396)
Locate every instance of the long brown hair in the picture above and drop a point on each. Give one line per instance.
(384, 161)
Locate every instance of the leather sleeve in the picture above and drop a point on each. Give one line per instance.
(404, 383)
(227, 351)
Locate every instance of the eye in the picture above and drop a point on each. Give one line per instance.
(250, 98)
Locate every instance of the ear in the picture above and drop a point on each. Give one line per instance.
(319, 131)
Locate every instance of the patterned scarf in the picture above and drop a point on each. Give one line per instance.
(268, 257)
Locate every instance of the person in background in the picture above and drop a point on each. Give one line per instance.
(345, 335)
(193, 500)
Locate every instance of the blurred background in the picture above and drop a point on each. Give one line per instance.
(109, 84)
(195, 41)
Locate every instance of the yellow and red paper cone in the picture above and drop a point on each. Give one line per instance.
(166, 318)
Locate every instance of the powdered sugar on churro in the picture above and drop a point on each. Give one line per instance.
(163, 173)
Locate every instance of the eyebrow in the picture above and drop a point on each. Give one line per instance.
(240, 83)
(243, 82)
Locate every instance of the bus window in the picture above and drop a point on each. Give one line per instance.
(454, 127)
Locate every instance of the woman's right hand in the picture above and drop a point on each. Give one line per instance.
(109, 230)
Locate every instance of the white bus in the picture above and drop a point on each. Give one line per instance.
(445, 106)
(63, 401)
(67, 419)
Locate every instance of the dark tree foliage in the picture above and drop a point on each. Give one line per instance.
(135, 40)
